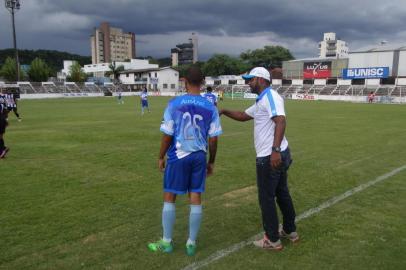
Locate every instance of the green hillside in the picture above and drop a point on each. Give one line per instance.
(53, 58)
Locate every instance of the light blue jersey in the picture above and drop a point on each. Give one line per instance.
(190, 119)
(144, 96)
(211, 97)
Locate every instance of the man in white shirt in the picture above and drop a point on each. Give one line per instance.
(273, 159)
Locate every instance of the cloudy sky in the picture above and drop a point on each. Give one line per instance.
(223, 26)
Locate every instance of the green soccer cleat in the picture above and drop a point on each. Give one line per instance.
(161, 246)
(190, 250)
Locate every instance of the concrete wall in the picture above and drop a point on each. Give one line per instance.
(402, 64)
(292, 69)
(371, 59)
(169, 78)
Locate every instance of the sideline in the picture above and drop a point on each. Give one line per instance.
(236, 247)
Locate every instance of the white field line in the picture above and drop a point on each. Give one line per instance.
(236, 247)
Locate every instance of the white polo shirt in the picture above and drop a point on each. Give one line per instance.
(268, 105)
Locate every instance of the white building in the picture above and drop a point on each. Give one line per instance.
(65, 72)
(332, 47)
(194, 41)
(110, 44)
(390, 56)
(164, 79)
(99, 70)
(224, 79)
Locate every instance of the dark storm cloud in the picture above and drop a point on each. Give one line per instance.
(223, 25)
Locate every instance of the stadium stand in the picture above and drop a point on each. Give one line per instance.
(368, 89)
(399, 91)
(276, 88)
(304, 89)
(355, 90)
(384, 90)
(341, 90)
(26, 88)
(316, 89)
(49, 87)
(384, 93)
(283, 89)
(293, 89)
(328, 89)
(91, 88)
(108, 88)
(71, 87)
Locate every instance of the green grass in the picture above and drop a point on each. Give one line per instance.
(80, 188)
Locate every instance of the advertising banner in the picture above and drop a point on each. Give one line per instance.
(305, 97)
(316, 70)
(365, 73)
(153, 80)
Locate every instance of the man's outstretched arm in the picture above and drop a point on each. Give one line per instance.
(236, 115)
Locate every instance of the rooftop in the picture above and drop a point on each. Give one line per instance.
(381, 48)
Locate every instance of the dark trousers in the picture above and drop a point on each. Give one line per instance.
(15, 112)
(14, 109)
(273, 183)
(3, 125)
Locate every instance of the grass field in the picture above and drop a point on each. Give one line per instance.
(80, 188)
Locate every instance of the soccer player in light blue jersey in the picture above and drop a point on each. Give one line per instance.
(144, 100)
(210, 96)
(190, 125)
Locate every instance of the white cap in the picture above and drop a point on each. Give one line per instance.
(258, 72)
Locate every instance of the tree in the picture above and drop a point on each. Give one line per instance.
(182, 69)
(268, 57)
(165, 62)
(8, 70)
(39, 71)
(54, 59)
(76, 73)
(222, 64)
(276, 73)
(115, 70)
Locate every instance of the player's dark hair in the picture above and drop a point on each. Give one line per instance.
(209, 89)
(194, 76)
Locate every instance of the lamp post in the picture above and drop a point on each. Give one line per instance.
(13, 6)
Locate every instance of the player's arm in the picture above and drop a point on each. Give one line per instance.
(212, 155)
(280, 125)
(236, 115)
(165, 143)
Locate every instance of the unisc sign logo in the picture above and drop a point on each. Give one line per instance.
(313, 70)
(366, 73)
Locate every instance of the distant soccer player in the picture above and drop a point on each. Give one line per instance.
(144, 100)
(190, 123)
(371, 97)
(221, 95)
(209, 96)
(11, 103)
(3, 125)
(120, 97)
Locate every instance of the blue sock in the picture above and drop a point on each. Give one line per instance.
(195, 219)
(168, 220)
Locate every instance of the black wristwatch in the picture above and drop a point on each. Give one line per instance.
(276, 149)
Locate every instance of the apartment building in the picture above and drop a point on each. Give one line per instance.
(110, 44)
(332, 47)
